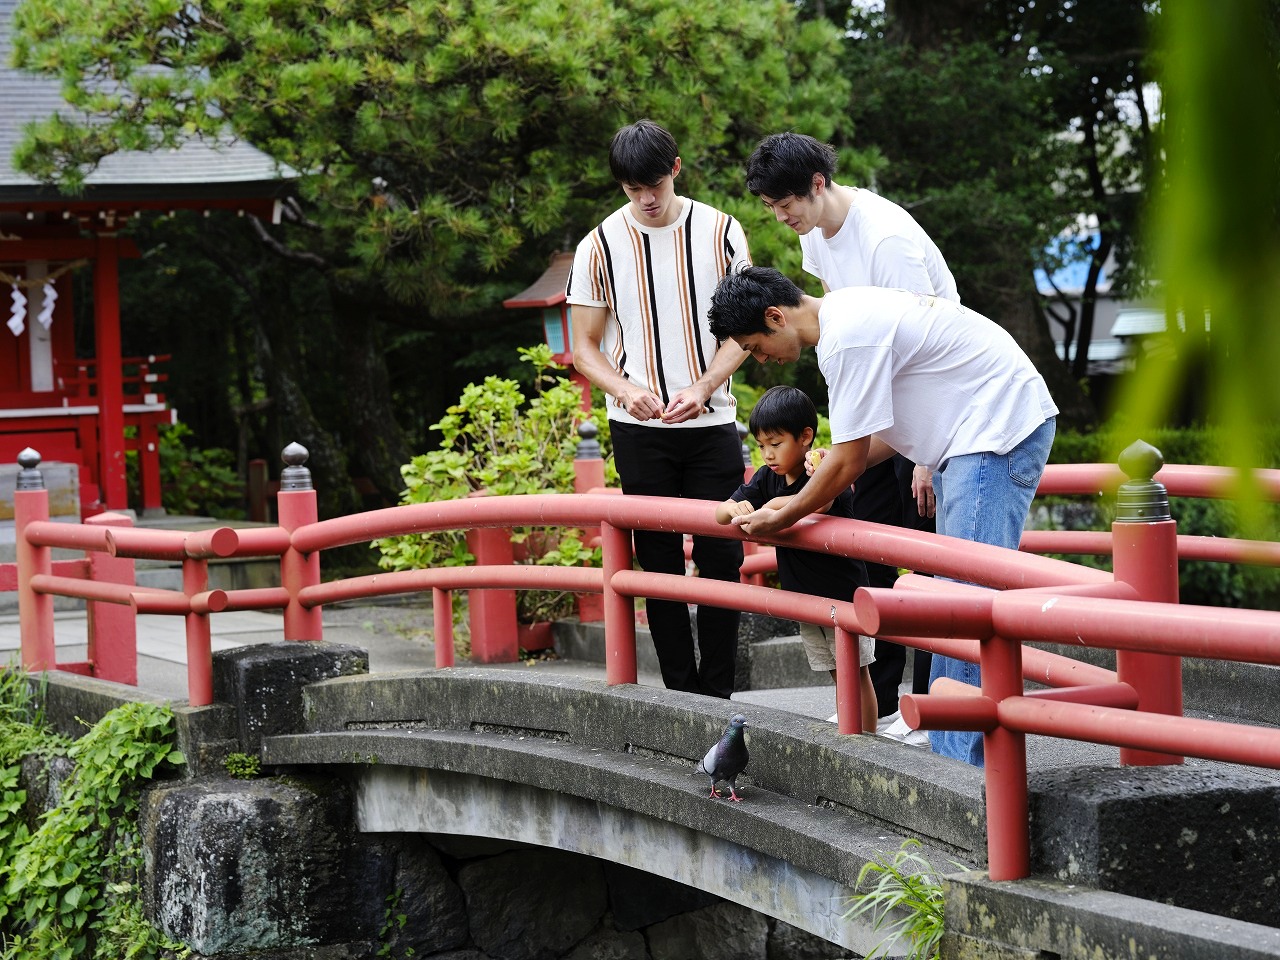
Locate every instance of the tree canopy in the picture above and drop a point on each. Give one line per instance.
(433, 140)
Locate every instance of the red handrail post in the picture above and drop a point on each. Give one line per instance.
(296, 508)
(1005, 761)
(195, 579)
(1145, 555)
(848, 682)
(588, 475)
(492, 613)
(35, 610)
(619, 609)
(113, 627)
(442, 625)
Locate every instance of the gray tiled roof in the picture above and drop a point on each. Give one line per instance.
(198, 169)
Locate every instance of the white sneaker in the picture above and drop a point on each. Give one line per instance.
(888, 721)
(898, 730)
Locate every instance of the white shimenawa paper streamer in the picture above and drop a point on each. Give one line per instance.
(18, 315)
(45, 317)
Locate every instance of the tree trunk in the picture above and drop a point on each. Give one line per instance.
(377, 445)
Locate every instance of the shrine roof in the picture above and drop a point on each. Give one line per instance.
(197, 170)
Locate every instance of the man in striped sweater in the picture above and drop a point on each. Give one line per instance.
(640, 289)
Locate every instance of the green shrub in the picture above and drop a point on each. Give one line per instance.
(496, 438)
(193, 481)
(71, 885)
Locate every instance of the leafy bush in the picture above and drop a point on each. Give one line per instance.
(193, 481)
(905, 901)
(71, 885)
(496, 438)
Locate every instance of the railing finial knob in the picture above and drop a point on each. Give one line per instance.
(29, 477)
(295, 475)
(1141, 499)
(588, 447)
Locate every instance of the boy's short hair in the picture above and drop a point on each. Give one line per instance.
(783, 164)
(741, 298)
(782, 409)
(642, 153)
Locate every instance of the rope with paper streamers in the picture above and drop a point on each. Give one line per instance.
(16, 281)
(49, 296)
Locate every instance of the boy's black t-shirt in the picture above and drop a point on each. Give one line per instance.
(803, 571)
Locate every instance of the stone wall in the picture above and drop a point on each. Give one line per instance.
(271, 868)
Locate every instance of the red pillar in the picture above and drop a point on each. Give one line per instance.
(619, 610)
(1005, 753)
(1145, 556)
(35, 610)
(492, 612)
(113, 627)
(296, 507)
(106, 332)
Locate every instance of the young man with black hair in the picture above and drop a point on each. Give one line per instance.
(916, 374)
(852, 237)
(784, 423)
(640, 290)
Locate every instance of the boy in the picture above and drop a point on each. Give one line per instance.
(640, 288)
(784, 423)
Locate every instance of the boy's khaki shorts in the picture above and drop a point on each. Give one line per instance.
(820, 647)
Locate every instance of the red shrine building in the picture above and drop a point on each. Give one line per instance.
(87, 408)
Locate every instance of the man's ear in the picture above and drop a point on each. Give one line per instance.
(817, 185)
(774, 318)
(675, 169)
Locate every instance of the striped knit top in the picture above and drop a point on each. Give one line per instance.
(656, 283)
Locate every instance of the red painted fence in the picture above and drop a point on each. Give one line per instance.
(1030, 599)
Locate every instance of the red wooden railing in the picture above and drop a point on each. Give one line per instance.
(1035, 600)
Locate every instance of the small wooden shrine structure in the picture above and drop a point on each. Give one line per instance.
(75, 408)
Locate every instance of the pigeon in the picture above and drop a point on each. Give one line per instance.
(727, 758)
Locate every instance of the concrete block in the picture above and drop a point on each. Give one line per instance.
(1048, 920)
(62, 480)
(1184, 835)
(780, 662)
(264, 682)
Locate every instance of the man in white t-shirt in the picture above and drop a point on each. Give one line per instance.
(916, 374)
(640, 289)
(852, 237)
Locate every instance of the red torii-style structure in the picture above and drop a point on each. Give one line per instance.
(48, 397)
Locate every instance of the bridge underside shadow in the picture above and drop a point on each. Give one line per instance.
(608, 772)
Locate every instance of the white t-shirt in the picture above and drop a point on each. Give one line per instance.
(657, 284)
(929, 377)
(878, 245)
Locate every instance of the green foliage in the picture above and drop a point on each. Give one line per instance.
(432, 141)
(193, 481)
(904, 902)
(1214, 231)
(500, 440)
(70, 890)
(392, 920)
(242, 766)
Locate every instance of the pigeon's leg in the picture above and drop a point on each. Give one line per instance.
(733, 795)
(715, 794)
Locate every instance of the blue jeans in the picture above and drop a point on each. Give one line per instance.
(984, 497)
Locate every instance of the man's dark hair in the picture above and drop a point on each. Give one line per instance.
(783, 164)
(642, 153)
(741, 298)
(783, 409)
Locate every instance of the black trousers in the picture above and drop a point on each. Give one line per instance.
(883, 495)
(701, 463)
